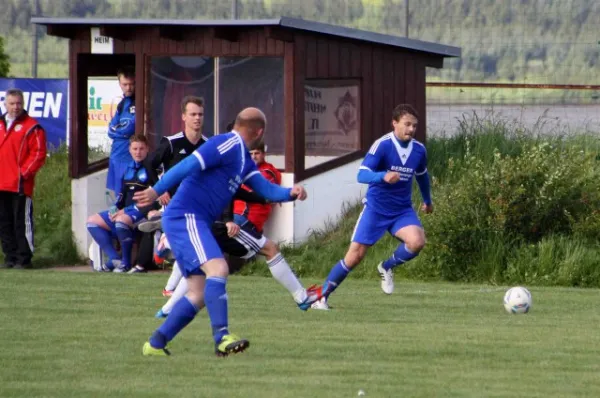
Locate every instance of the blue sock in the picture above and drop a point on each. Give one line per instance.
(104, 239)
(181, 315)
(400, 256)
(125, 235)
(338, 273)
(215, 297)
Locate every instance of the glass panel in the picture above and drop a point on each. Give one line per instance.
(103, 96)
(171, 79)
(257, 82)
(332, 119)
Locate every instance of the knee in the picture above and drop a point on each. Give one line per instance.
(354, 256)
(218, 269)
(416, 243)
(94, 219)
(270, 249)
(123, 219)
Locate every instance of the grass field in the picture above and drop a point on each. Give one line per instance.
(70, 334)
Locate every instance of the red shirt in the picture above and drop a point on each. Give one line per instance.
(257, 213)
(22, 154)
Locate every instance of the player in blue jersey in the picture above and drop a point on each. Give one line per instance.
(209, 179)
(388, 168)
(120, 129)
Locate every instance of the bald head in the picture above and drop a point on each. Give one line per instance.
(251, 118)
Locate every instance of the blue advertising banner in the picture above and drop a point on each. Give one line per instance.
(46, 100)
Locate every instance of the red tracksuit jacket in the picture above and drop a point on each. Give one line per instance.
(22, 154)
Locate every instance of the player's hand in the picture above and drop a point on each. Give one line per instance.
(299, 192)
(391, 177)
(145, 198)
(164, 199)
(427, 208)
(232, 229)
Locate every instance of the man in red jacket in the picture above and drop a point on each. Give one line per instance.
(257, 213)
(22, 154)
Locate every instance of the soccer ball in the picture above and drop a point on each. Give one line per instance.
(517, 300)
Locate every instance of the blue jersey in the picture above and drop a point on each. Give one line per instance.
(121, 128)
(224, 164)
(388, 154)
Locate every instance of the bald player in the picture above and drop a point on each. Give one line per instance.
(208, 180)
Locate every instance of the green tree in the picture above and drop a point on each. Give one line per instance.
(4, 60)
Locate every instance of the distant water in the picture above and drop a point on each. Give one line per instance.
(551, 119)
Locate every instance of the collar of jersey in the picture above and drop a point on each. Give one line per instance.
(402, 143)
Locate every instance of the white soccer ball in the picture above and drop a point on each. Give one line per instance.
(517, 300)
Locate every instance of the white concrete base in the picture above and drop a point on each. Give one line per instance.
(88, 196)
(290, 223)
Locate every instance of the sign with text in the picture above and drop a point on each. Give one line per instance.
(103, 97)
(101, 44)
(332, 117)
(46, 100)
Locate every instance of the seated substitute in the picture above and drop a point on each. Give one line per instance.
(120, 220)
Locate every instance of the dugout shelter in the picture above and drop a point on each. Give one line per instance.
(327, 91)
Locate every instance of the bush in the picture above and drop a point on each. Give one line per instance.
(502, 203)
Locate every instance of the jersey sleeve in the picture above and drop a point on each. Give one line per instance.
(422, 167)
(373, 158)
(161, 153)
(212, 153)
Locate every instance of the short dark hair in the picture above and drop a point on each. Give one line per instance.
(404, 109)
(191, 99)
(15, 92)
(126, 72)
(229, 127)
(258, 146)
(139, 138)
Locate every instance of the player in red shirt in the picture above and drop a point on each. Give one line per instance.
(257, 213)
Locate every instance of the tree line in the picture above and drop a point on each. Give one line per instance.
(537, 41)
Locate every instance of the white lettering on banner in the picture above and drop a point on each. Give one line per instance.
(38, 103)
(332, 119)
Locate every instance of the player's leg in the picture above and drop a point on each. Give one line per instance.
(162, 249)
(124, 224)
(102, 230)
(407, 228)
(369, 228)
(184, 311)
(180, 291)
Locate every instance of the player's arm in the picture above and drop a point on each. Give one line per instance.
(122, 124)
(268, 190)
(164, 151)
(205, 157)
(422, 177)
(368, 172)
(249, 196)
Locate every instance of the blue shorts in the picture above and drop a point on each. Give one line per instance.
(191, 241)
(371, 226)
(116, 171)
(135, 214)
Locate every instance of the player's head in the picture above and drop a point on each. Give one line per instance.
(251, 124)
(14, 102)
(138, 147)
(126, 81)
(257, 151)
(404, 121)
(192, 113)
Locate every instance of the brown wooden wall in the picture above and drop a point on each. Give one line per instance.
(388, 76)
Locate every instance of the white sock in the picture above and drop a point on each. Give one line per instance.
(174, 278)
(179, 292)
(283, 274)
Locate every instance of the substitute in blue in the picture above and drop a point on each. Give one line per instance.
(388, 169)
(119, 222)
(120, 130)
(208, 180)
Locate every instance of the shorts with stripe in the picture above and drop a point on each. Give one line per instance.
(191, 241)
(246, 244)
(371, 226)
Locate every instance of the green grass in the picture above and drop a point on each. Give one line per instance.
(80, 335)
